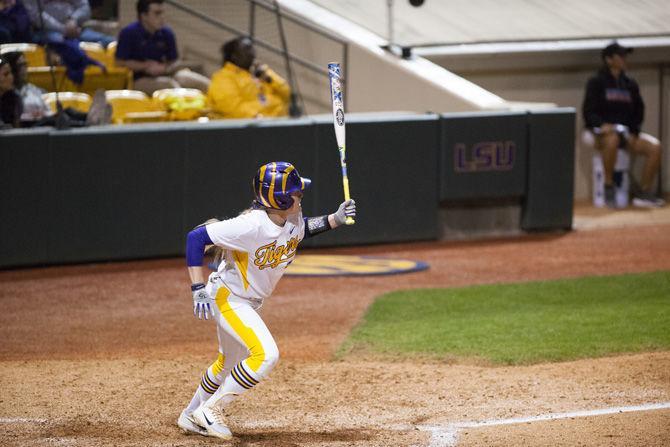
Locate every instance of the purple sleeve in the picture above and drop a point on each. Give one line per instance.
(195, 246)
(124, 45)
(171, 51)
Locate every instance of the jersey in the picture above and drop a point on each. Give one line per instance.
(256, 251)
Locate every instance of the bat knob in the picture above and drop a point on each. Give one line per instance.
(349, 221)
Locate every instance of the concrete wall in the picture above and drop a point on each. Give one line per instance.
(377, 80)
(201, 42)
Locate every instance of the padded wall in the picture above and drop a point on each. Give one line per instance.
(133, 192)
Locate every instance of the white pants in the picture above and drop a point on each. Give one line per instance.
(249, 351)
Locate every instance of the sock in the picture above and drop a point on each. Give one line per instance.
(210, 382)
(237, 382)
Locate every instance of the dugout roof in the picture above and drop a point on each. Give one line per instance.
(456, 22)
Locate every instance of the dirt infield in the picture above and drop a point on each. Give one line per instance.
(109, 354)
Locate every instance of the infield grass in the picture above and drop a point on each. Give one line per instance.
(521, 323)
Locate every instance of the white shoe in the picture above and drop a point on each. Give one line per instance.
(212, 421)
(189, 425)
(647, 200)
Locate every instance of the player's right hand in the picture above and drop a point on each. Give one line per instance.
(346, 209)
(202, 302)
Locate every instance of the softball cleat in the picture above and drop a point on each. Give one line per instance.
(189, 425)
(212, 420)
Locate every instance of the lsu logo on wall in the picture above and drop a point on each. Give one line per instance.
(271, 255)
(484, 156)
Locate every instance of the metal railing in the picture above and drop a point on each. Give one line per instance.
(272, 6)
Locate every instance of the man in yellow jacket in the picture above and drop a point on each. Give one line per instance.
(241, 89)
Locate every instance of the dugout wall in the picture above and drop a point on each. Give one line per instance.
(132, 192)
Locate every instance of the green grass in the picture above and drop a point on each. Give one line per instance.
(521, 323)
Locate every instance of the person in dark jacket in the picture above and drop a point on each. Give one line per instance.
(612, 97)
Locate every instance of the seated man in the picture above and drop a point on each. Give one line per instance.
(614, 98)
(148, 48)
(14, 22)
(63, 19)
(237, 92)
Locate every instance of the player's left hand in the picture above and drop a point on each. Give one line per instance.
(346, 209)
(202, 302)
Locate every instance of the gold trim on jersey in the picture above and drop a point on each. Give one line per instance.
(270, 255)
(242, 260)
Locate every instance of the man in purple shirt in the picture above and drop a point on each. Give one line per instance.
(148, 48)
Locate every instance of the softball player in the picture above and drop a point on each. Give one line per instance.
(257, 246)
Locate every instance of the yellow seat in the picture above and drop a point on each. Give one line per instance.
(94, 78)
(131, 106)
(181, 104)
(34, 54)
(77, 100)
(95, 51)
(111, 54)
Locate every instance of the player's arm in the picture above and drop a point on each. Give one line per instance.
(196, 241)
(316, 225)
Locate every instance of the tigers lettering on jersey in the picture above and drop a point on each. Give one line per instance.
(271, 255)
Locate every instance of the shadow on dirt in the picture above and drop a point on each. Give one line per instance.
(282, 438)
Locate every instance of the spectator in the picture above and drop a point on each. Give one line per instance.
(612, 97)
(62, 20)
(14, 22)
(34, 107)
(241, 89)
(36, 112)
(148, 48)
(10, 102)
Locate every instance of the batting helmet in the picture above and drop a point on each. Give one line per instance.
(275, 182)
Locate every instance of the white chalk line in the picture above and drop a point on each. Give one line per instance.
(22, 421)
(447, 436)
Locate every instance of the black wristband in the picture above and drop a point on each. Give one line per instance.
(316, 225)
(197, 286)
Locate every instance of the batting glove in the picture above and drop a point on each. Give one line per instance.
(202, 302)
(346, 209)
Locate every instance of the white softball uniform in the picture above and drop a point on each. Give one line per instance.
(256, 254)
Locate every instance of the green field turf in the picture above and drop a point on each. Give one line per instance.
(521, 323)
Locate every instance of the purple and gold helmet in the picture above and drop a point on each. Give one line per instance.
(275, 182)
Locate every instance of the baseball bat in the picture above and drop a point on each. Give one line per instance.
(337, 100)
